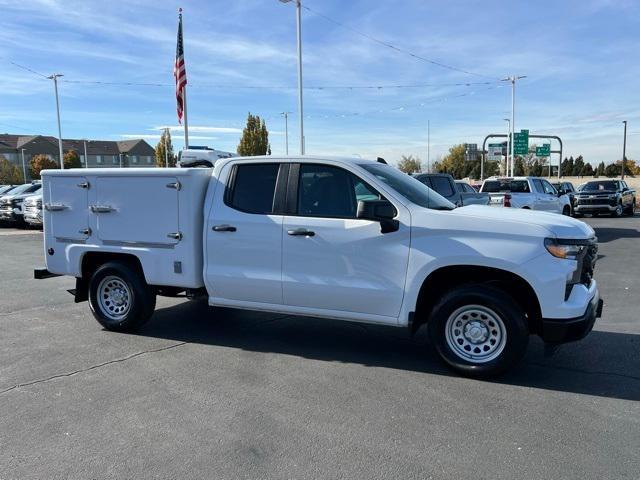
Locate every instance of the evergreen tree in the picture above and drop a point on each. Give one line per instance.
(163, 147)
(578, 165)
(587, 170)
(255, 137)
(600, 170)
(536, 169)
(518, 167)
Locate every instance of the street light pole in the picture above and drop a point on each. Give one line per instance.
(508, 120)
(86, 158)
(120, 155)
(299, 41)
(624, 148)
(513, 80)
(428, 146)
(286, 132)
(24, 166)
(54, 77)
(166, 149)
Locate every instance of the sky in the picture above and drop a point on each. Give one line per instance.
(580, 59)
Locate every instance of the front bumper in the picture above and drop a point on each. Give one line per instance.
(594, 208)
(33, 218)
(571, 329)
(10, 215)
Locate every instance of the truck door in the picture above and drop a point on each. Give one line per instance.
(332, 261)
(67, 207)
(243, 252)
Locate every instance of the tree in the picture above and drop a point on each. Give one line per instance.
(536, 169)
(255, 137)
(600, 170)
(72, 159)
(453, 163)
(518, 167)
(410, 164)
(163, 147)
(9, 173)
(587, 170)
(39, 163)
(578, 165)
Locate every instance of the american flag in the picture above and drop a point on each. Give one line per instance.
(180, 71)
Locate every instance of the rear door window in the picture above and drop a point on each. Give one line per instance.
(538, 185)
(252, 188)
(442, 185)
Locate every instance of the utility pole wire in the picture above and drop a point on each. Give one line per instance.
(393, 47)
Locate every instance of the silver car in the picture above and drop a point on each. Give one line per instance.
(32, 210)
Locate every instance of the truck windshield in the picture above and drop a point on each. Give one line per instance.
(407, 186)
(513, 186)
(25, 188)
(595, 186)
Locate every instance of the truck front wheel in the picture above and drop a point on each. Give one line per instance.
(479, 330)
(119, 297)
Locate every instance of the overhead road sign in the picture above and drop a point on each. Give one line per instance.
(521, 143)
(544, 150)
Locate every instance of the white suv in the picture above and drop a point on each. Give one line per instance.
(532, 193)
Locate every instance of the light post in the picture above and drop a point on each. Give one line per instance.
(624, 148)
(24, 166)
(508, 120)
(54, 77)
(166, 148)
(286, 132)
(299, 40)
(513, 80)
(120, 155)
(428, 146)
(86, 158)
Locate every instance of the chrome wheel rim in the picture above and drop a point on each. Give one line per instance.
(619, 210)
(114, 297)
(476, 334)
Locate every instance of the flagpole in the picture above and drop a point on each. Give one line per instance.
(186, 123)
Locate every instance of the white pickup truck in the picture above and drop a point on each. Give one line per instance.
(347, 239)
(530, 193)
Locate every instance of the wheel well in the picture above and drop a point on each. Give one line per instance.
(92, 260)
(446, 278)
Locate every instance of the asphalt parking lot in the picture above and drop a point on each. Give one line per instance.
(215, 393)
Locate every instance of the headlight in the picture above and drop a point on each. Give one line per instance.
(567, 249)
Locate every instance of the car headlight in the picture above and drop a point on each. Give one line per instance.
(567, 249)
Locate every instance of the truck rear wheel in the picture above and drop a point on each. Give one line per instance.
(479, 330)
(119, 297)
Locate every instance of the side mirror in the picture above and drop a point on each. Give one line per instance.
(379, 211)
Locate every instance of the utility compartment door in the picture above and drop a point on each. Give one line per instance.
(137, 209)
(67, 207)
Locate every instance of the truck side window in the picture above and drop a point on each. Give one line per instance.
(548, 188)
(442, 186)
(327, 191)
(252, 187)
(538, 185)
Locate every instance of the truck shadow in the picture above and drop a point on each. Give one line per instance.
(606, 235)
(604, 364)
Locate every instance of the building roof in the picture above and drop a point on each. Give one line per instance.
(94, 147)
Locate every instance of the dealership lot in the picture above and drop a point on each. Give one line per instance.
(219, 393)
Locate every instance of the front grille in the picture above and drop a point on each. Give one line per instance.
(588, 264)
(593, 201)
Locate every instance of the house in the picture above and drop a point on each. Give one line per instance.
(99, 153)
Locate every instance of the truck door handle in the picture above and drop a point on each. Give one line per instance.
(54, 207)
(101, 208)
(175, 235)
(224, 228)
(301, 232)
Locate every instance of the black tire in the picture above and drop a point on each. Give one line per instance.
(566, 211)
(498, 306)
(119, 281)
(618, 211)
(632, 208)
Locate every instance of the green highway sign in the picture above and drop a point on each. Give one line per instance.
(521, 143)
(543, 150)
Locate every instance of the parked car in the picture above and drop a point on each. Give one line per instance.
(4, 189)
(566, 188)
(606, 196)
(458, 194)
(530, 193)
(11, 204)
(32, 210)
(341, 238)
